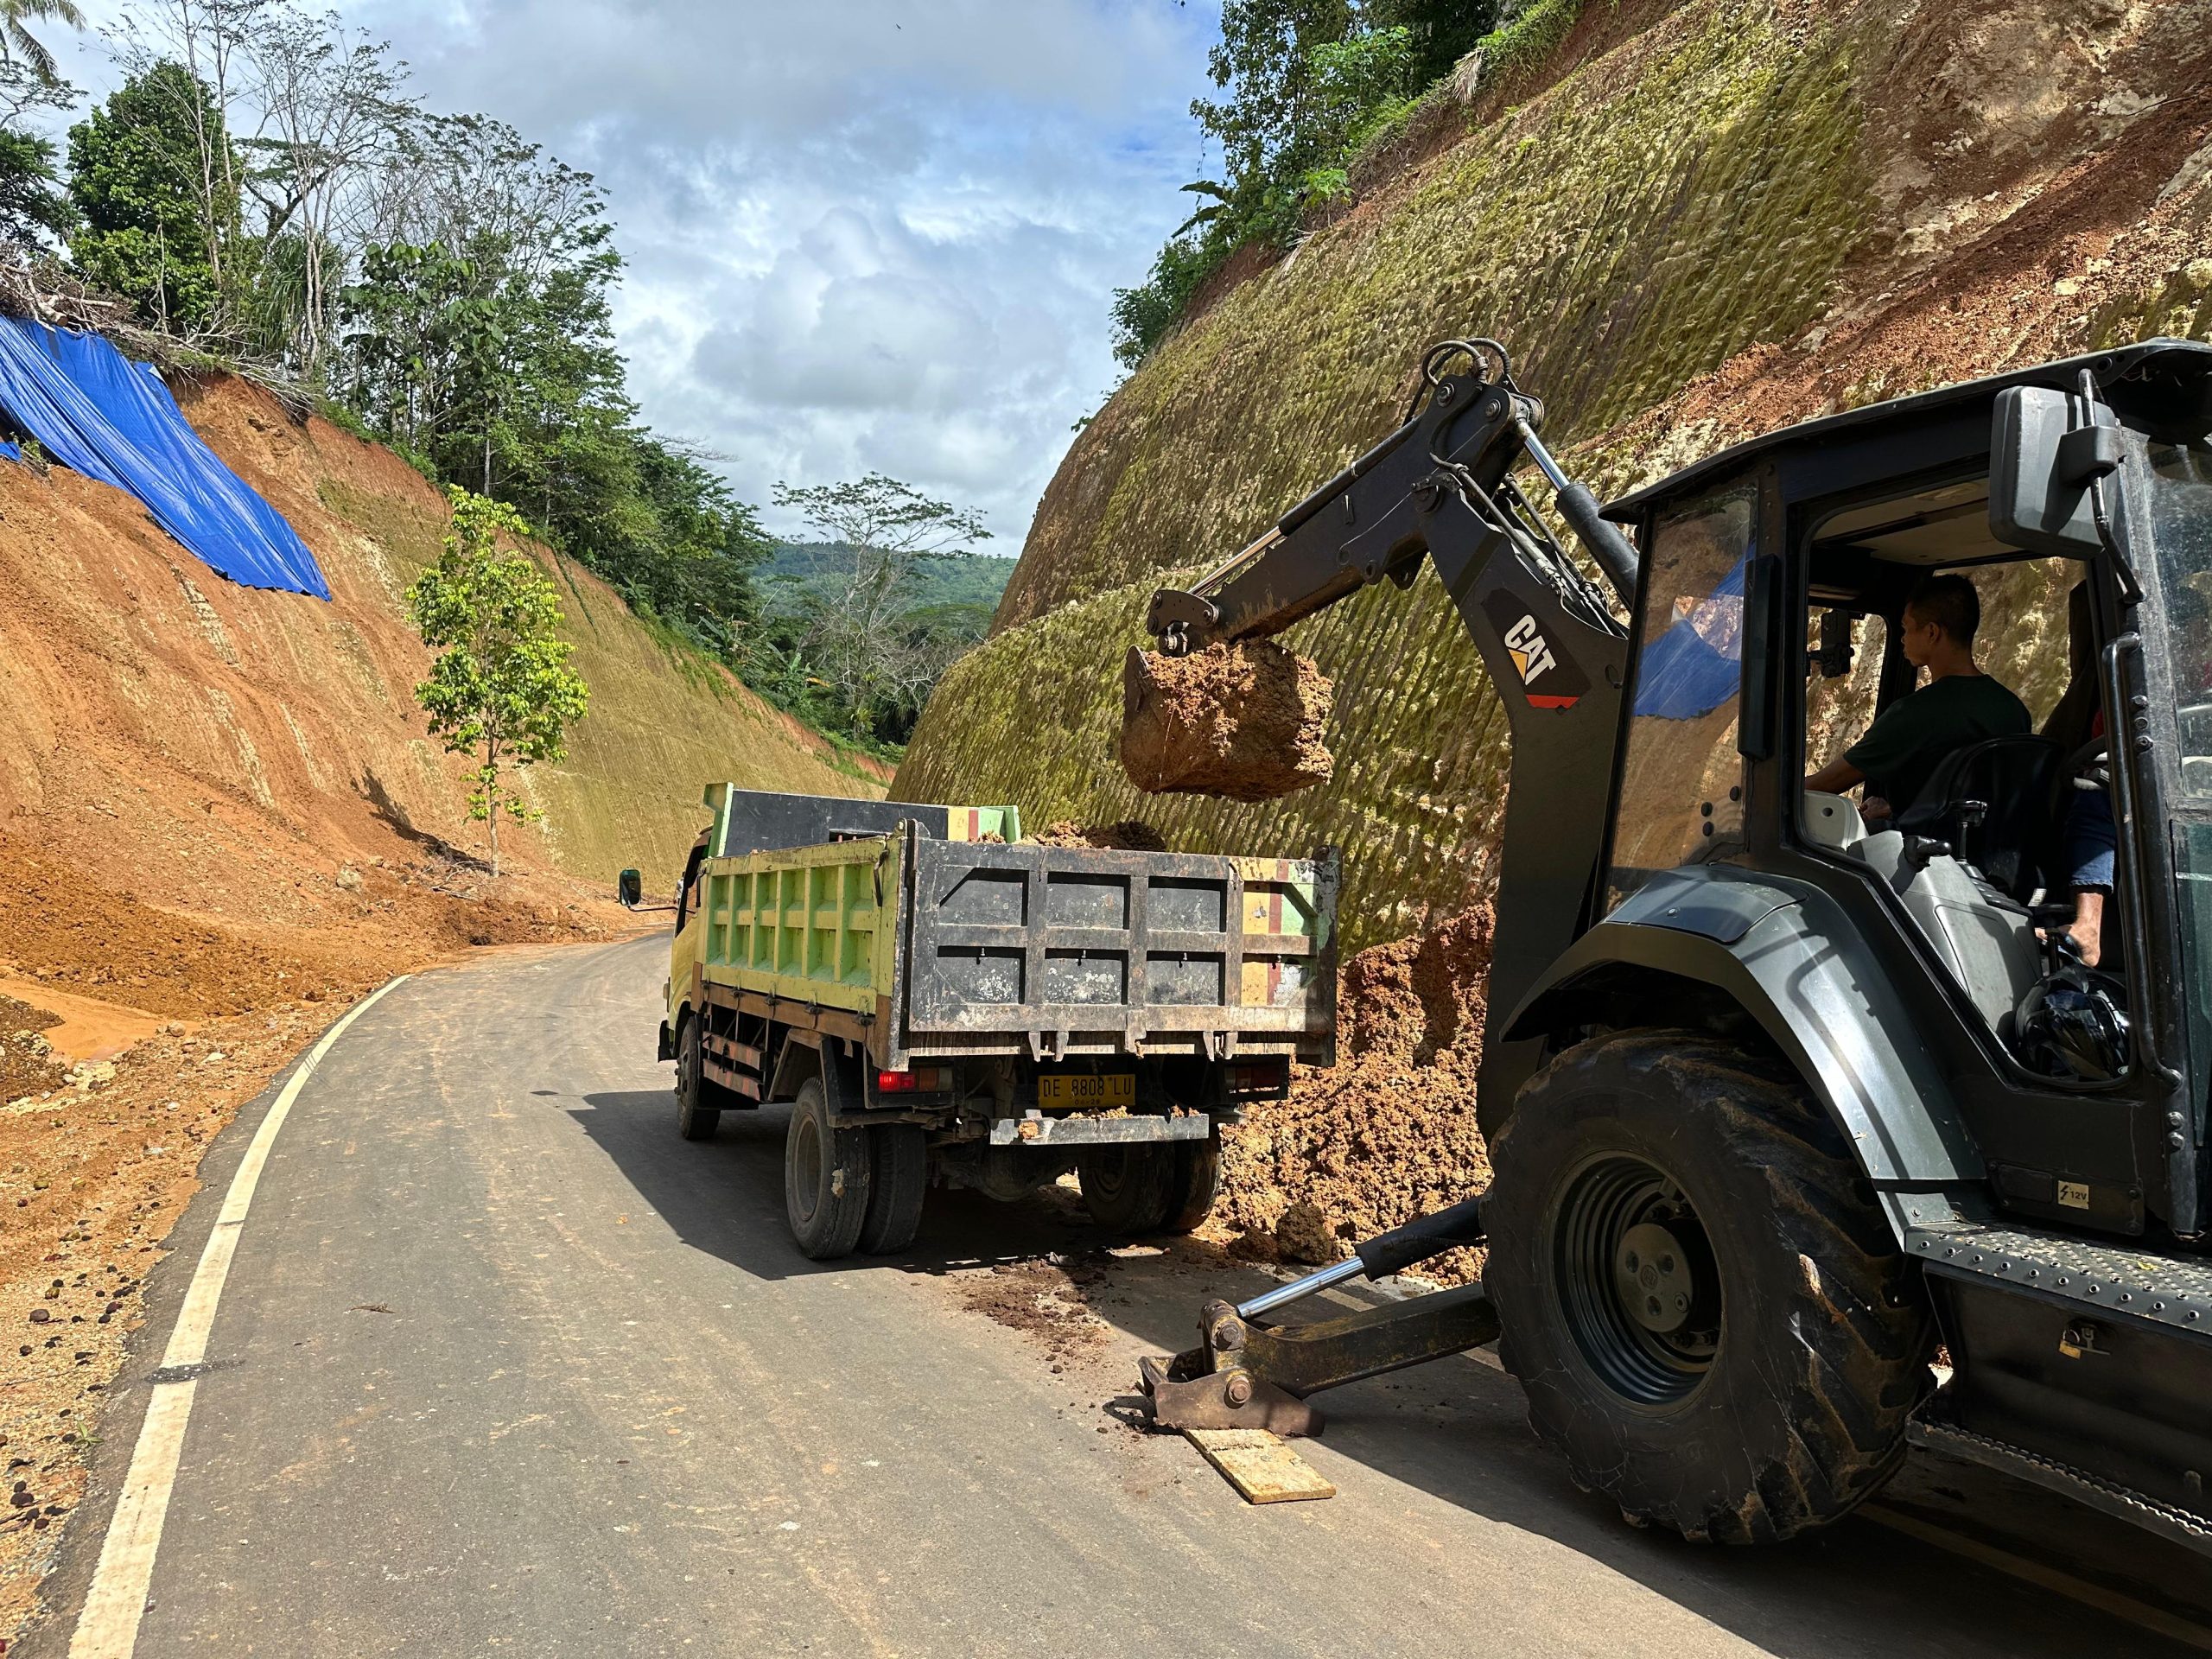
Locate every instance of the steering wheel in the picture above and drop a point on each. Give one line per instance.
(2078, 762)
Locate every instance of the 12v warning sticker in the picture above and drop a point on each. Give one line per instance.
(1547, 679)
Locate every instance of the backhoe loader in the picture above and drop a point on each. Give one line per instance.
(1779, 1095)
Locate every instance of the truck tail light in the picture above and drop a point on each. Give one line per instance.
(928, 1079)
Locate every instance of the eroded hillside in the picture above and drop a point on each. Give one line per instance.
(227, 750)
(1692, 224)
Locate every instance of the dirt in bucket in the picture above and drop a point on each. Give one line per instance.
(1241, 719)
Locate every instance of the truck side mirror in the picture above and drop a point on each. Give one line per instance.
(2045, 451)
(629, 887)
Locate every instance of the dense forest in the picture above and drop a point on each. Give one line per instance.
(1310, 91)
(264, 190)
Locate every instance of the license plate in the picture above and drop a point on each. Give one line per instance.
(1115, 1088)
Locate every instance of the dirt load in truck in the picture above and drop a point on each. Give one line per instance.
(945, 1004)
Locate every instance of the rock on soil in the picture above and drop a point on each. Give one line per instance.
(15, 1015)
(1386, 1134)
(1241, 719)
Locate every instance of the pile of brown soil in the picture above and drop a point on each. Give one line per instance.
(1240, 720)
(1129, 836)
(95, 937)
(28, 1064)
(1388, 1133)
(18, 1015)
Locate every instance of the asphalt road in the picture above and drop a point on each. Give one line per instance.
(504, 1365)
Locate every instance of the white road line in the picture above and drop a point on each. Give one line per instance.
(108, 1626)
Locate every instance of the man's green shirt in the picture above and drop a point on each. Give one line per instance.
(1910, 739)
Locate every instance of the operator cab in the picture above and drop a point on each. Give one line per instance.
(1769, 636)
(1978, 857)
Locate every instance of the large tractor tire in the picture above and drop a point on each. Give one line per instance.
(698, 1102)
(896, 1185)
(1707, 1313)
(827, 1173)
(1130, 1190)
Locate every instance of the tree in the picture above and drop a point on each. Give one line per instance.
(1270, 126)
(501, 690)
(1308, 84)
(17, 41)
(1442, 31)
(149, 234)
(33, 206)
(868, 649)
(332, 110)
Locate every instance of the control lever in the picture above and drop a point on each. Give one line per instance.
(1919, 850)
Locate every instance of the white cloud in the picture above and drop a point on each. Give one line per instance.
(861, 234)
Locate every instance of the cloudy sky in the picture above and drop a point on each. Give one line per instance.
(861, 234)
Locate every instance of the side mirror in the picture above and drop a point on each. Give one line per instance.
(1839, 639)
(2045, 451)
(629, 887)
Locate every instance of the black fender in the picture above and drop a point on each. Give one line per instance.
(666, 1049)
(1787, 956)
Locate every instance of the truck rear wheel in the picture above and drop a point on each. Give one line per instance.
(896, 1185)
(1197, 1179)
(827, 1176)
(1129, 1189)
(1705, 1307)
(697, 1115)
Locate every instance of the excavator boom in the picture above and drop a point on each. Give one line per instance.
(1442, 485)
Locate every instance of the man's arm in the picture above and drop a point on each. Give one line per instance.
(1836, 776)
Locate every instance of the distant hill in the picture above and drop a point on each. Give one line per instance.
(937, 583)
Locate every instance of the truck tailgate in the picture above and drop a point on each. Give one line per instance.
(1061, 950)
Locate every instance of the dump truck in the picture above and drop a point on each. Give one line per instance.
(1782, 1088)
(944, 1003)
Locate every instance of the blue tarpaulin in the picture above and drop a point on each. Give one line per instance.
(1696, 663)
(99, 413)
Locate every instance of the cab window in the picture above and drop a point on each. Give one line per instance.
(1681, 794)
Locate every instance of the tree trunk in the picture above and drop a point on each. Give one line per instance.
(492, 800)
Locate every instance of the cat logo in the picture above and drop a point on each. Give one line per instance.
(1545, 681)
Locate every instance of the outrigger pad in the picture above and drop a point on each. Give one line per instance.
(1228, 1399)
(1240, 718)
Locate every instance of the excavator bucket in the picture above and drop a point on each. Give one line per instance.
(1240, 719)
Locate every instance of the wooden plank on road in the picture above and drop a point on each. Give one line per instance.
(1259, 1465)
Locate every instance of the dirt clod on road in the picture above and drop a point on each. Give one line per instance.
(1045, 1300)
(1386, 1134)
(1243, 719)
